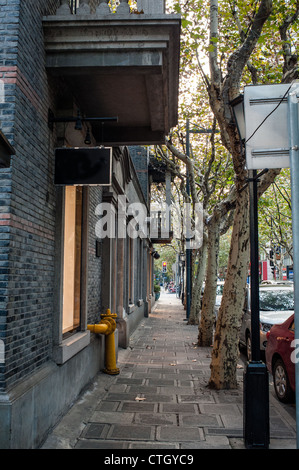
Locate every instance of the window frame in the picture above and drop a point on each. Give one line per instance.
(66, 346)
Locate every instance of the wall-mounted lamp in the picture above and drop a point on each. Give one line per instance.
(237, 106)
(155, 255)
(87, 140)
(78, 125)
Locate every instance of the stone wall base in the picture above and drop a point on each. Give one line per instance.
(32, 408)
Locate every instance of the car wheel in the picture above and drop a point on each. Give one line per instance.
(248, 347)
(282, 387)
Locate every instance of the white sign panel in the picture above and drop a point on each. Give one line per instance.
(266, 124)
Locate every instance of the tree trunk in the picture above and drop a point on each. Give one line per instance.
(207, 319)
(197, 285)
(225, 351)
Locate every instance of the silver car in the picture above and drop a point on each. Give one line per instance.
(276, 305)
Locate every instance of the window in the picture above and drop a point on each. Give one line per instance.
(131, 270)
(72, 248)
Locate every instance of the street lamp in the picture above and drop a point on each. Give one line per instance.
(182, 264)
(188, 250)
(256, 381)
(237, 106)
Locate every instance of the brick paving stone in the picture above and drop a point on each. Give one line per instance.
(103, 444)
(159, 398)
(187, 383)
(95, 431)
(228, 398)
(153, 445)
(200, 420)
(138, 407)
(130, 381)
(179, 407)
(142, 389)
(146, 375)
(161, 371)
(177, 390)
(139, 432)
(111, 417)
(179, 434)
(161, 382)
(195, 398)
(232, 421)
(210, 442)
(108, 405)
(155, 372)
(220, 409)
(278, 426)
(120, 396)
(156, 418)
(229, 432)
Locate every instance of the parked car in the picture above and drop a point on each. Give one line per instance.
(219, 292)
(273, 282)
(276, 305)
(279, 359)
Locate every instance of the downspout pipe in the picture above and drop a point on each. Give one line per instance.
(107, 327)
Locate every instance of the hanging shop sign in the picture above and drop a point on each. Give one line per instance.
(83, 166)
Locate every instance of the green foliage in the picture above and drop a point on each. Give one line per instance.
(275, 214)
(266, 66)
(167, 253)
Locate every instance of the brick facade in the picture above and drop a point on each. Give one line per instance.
(28, 207)
(31, 213)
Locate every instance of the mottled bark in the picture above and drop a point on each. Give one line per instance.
(197, 286)
(225, 351)
(207, 317)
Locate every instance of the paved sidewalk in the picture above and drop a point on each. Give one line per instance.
(160, 399)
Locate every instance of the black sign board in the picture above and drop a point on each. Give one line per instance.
(83, 166)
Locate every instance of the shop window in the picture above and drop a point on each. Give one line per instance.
(72, 250)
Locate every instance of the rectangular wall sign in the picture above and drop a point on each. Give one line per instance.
(83, 166)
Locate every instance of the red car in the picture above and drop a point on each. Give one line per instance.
(280, 361)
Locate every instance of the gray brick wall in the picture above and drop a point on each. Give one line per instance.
(27, 206)
(5, 190)
(94, 262)
(140, 161)
(8, 60)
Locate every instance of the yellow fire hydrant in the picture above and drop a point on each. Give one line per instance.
(107, 327)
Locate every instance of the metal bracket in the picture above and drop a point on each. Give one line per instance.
(78, 120)
(256, 178)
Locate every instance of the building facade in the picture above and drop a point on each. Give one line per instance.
(63, 72)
